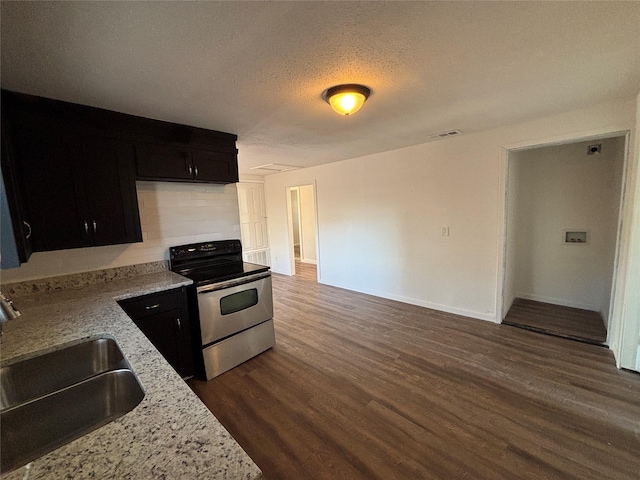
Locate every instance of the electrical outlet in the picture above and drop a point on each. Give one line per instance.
(445, 231)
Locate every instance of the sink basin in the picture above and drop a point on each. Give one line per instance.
(46, 373)
(41, 418)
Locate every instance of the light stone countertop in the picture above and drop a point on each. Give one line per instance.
(169, 435)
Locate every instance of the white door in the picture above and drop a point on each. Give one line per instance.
(253, 223)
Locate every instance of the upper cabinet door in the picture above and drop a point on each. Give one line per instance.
(53, 186)
(219, 167)
(164, 162)
(16, 227)
(111, 195)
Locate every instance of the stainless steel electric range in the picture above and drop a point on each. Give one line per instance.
(231, 303)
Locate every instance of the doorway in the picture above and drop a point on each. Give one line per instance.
(562, 229)
(303, 230)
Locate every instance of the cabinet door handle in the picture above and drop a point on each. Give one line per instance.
(178, 322)
(196, 171)
(151, 307)
(86, 227)
(189, 167)
(26, 224)
(95, 226)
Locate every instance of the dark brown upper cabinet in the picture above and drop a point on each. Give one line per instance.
(76, 167)
(77, 187)
(15, 233)
(79, 191)
(212, 166)
(172, 163)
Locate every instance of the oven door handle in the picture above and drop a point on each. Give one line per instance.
(212, 287)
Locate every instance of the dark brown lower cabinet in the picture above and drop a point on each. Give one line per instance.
(164, 319)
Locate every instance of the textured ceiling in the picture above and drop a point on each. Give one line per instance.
(258, 69)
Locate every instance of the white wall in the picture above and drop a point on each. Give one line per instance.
(561, 187)
(170, 213)
(307, 224)
(380, 216)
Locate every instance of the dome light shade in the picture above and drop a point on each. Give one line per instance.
(346, 99)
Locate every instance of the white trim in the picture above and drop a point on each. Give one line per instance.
(599, 134)
(421, 303)
(557, 301)
(292, 260)
(315, 206)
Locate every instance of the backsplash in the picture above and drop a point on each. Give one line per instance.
(170, 214)
(79, 279)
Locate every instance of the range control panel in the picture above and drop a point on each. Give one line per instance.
(194, 250)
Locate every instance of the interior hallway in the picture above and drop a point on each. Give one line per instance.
(567, 322)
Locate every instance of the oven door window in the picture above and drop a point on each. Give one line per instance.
(238, 301)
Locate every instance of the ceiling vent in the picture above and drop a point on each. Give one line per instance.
(275, 167)
(447, 134)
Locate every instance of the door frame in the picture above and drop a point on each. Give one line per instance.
(503, 211)
(300, 238)
(292, 261)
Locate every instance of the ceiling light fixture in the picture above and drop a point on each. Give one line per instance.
(346, 99)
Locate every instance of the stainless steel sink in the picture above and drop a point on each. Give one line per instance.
(93, 386)
(46, 373)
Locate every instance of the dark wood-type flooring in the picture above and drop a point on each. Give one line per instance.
(307, 271)
(359, 387)
(574, 323)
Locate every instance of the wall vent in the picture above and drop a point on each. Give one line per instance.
(448, 133)
(275, 167)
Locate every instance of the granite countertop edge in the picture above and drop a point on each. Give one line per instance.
(170, 434)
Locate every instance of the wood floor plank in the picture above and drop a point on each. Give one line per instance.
(359, 387)
(574, 323)
(308, 271)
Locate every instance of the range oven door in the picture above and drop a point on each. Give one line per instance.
(230, 307)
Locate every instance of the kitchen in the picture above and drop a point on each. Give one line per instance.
(168, 209)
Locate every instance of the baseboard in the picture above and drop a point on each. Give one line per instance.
(557, 301)
(281, 272)
(488, 317)
(311, 262)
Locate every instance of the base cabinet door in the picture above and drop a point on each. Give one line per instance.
(164, 319)
(163, 329)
